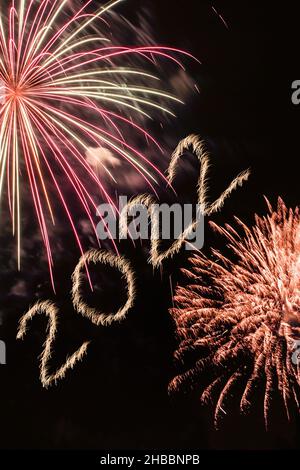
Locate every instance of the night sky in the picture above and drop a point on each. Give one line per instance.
(117, 397)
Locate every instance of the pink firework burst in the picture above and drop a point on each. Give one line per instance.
(64, 88)
(240, 317)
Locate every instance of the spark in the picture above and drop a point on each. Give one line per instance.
(221, 17)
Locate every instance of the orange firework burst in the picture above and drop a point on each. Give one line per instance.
(242, 318)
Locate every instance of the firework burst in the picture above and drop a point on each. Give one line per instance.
(241, 316)
(58, 76)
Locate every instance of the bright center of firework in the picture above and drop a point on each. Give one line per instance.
(15, 92)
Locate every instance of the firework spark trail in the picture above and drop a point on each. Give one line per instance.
(220, 17)
(242, 318)
(52, 72)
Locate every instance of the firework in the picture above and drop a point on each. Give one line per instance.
(241, 315)
(58, 76)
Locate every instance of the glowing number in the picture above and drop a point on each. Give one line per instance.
(98, 318)
(198, 146)
(121, 264)
(51, 311)
(114, 261)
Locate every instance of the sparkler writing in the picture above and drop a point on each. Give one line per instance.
(122, 265)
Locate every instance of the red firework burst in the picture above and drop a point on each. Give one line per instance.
(59, 75)
(242, 318)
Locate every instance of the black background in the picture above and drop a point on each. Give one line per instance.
(117, 398)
